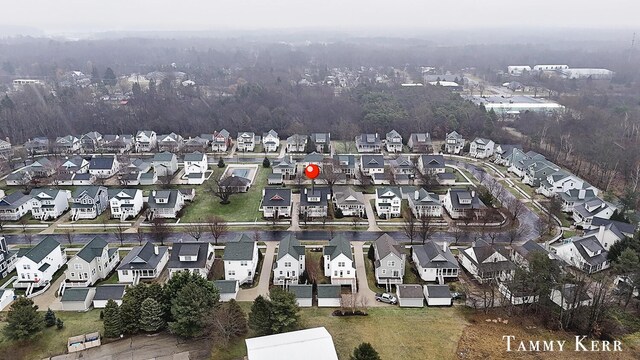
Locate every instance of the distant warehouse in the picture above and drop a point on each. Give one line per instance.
(516, 104)
(584, 73)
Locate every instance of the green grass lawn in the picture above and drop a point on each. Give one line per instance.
(112, 279)
(52, 341)
(371, 276)
(342, 147)
(568, 233)
(458, 175)
(243, 207)
(6, 278)
(314, 258)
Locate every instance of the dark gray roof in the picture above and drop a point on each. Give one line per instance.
(368, 139)
(329, 291)
(101, 162)
(424, 198)
(290, 245)
(14, 200)
(338, 245)
(321, 138)
(321, 192)
(235, 181)
(386, 245)
(143, 257)
(313, 157)
(438, 291)
(91, 191)
(529, 248)
(372, 161)
(226, 286)
(276, 197)
(163, 157)
(240, 249)
(345, 161)
(410, 291)
(621, 226)
(431, 255)
(380, 192)
(432, 161)
(75, 294)
(171, 203)
(92, 249)
(109, 291)
(461, 194)
(346, 195)
(484, 250)
(196, 156)
(420, 138)
(53, 193)
(302, 291)
(198, 250)
(591, 244)
(44, 248)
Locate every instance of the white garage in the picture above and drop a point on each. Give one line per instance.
(108, 292)
(77, 299)
(303, 293)
(437, 295)
(228, 289)
(329, 295)
(410, 295)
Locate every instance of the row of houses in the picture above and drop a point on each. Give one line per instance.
(459, 203)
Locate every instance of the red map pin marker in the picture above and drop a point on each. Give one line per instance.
(312, 171)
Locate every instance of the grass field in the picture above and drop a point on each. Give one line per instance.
(340, 148)
(243, 207)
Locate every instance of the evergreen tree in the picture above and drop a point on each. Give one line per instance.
(59, 324)
(371, 254)
(260, 316)
(365, 351)
(151, 315)
(49, 318)
(236, 313)
(136, 90)
(266, 163)
(109, 77)
(284, 310)
(190, 310)
(23, 320)
(221, 162)
(95, 75)
(113, 326)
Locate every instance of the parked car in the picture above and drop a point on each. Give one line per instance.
(456, 296)
(387, 298)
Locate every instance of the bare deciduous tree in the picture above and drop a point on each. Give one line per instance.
(195, 230)
(410, 228)
(217, 227)
(159, 230)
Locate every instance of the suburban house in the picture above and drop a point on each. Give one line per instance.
(486, 262)
(67, 144)
(403, 169)
(503, 153)
(42, 168)
(420, 143)
(143, 263)
(238, 184)
(48, 204)
(165, 203)
(297, 143)
(74, 165)
(519, 161)
(309, 344)
(584, 253)
(125, 203)
(195, 168)
(321, 142)
(270, 141)
(453, 143)
(410, 295)
(14, 206)
(38, 145)
(276, 203)
(573, 197)
(345, 164)
(221, 141)
(6, 151)
(93, 262)
(537, 171)
(196, 144)
(36, 267)
(423, 203)
(584, 213)
(240, 259)
(393, 142)
(621, 227)
(91, 141)
(118, 144)
(434, 262)
(461, 203)
(165, 164)
(313, 158)
(522, 254)
(19, 178)
(195, 257)
(389, 261)
(481, 148)
(570, 296)
(338, 262)
(107, 292)
(246, 141)
(170, 142)
(7, 258)
(388, 202)
(290, 262)
(349, 201)
(314, 202)
(368, 143)
(560, 182)
(228, 289)
(88, 202)
(102, 166)
(77, 299)
(286, 168)
(431, 164)
(371, 164)
(146, 141)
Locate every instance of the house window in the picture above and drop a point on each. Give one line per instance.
(287, 264)
(232, 272)
(77, 266)
(243, 263)
(125, 272)
(384, 271)
(391, 263)
(280, 272)
(341, 264)
(26, 267)
(73, 274)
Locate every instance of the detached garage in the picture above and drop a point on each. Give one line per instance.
(329, 295)
(77, 299)
(108, 292)
(437, 295)
(303, 293)
(410, 295)
(228, 289)
(6, 298)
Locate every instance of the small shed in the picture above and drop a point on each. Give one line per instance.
(303, 293)
(106, 292)
(437, 295)
(77, 299)
(6, 298)
(228, 289)
(410, 295)
(329, 295)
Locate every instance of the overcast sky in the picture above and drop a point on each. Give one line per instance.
(100, 15)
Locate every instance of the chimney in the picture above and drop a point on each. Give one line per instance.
(473, 194)
(444, 246)
(416, 195)
(155, 249)
(153, 193)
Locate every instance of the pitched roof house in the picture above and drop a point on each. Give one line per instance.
(297, 143)
(290, 262)
(103, 166)
(432, 164)
(195, 257)
(276, 202)
(388, 202)
(314, 202)
(47, 204)
(125, 203)
(170, 142)
(143, 262)
(93, 262)
(393, 142)
(423, 203)
(434, 262)
(420, 142)
(349, 201)
(165, 164)
(35, 268)
(487, 262)
(481, 148)
(165, 203)
(389, 261)
(14, 206)
(338, 262)
(246, 141)
(88, 202)
(221, 141)
(453, 143)
(240, 259)
(368, 143)
(322, 142)
(270, 141)
(146, 141)
(461, 203)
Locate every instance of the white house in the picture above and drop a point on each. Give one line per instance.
(368, 143)
(372, 164)
(420, 142)
(165, 164)
(270, 141)
(437, 295)
(423, 203)
(195, 168)
(143, 263)
(240, 259)
(585, 253)
(146, 141)
(47, 204)
(453, 143)
(165, 203)
(486, 262)
(125, 203)
(14, 206)
(67, 144)
(338, 262)
(92, 263)
(389, 261)
(192, 256)
(560, 182)
(431, 164)
(170, 142)
(290, 262)
(276, 202)
(77, 299)
(7, 258)
(569, 296)
(102, 166)
(584, 213)
(481, 148)
(349, 201)
(246, 141)
(308, 344)
(434, 262)
(297, 143)
(461, 203)
(393, 142)
(388, 202)
(37, 266)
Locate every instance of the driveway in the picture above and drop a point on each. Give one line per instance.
(48, 299)
(295, 220)
(265, 274)
(371, 216)
(361, 273)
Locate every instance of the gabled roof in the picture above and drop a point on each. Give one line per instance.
(570, 293)
(432, 161)
(93, 249)
(42, 193)
(197, 250)
(164, 156)
(101, 162)
(91, 191)
(622, 227)
(346, 195)
(410, 291)
(290, 245)
(368, 139)
(271, 133)
(234, 181)
(372, 161)
(239, 250)
(386, 245)
(393, 134)
(93, 135)
(337, 246)
(316, 191)
(482, 250)
(456, 195)
(110, 292)
(226, 286)
(171, 194)
(75, 294)
(345, 161)
(40, 251)
(14, 200)
(527, 249)
(296, 139)
(421, 138)
(438, 291)
(196, 156)
(592, 245)
(321, 138)
(431, 255)
(121, 194)
(424, 198)
(276, 197)
(329, 291)
(143, 257)
(313, 157)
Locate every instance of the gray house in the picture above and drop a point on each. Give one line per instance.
(88, 202)
(165, 164)
(92, 263)
(389, 263)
